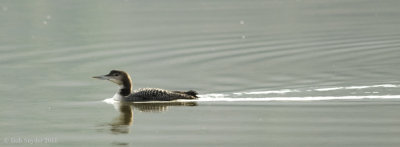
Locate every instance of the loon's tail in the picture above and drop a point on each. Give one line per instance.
(190, 92)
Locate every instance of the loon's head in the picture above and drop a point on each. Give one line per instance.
(120, 78)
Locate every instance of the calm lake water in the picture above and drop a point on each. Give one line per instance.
(293, 73)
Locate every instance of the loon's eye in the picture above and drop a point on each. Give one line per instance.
(115, 74)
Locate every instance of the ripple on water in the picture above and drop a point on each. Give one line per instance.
(379, 91)
(292, 58)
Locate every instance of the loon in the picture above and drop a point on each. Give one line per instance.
(125, 93)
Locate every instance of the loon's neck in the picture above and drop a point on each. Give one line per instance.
(124, 91)
(126, 87)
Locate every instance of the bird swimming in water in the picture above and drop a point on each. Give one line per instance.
(125, 93)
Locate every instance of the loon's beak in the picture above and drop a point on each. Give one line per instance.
(103, 77)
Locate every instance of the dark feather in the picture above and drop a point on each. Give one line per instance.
(156, 94)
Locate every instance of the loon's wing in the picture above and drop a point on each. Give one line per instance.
(155, 94)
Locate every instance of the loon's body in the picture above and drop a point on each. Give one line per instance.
(144, 94)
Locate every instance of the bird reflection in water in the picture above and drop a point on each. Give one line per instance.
(122, 123)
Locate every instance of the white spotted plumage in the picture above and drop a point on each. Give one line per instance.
(157, 94)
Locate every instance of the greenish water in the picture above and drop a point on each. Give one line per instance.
(270, 73)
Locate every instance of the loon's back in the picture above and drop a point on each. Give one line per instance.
(156, 94)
